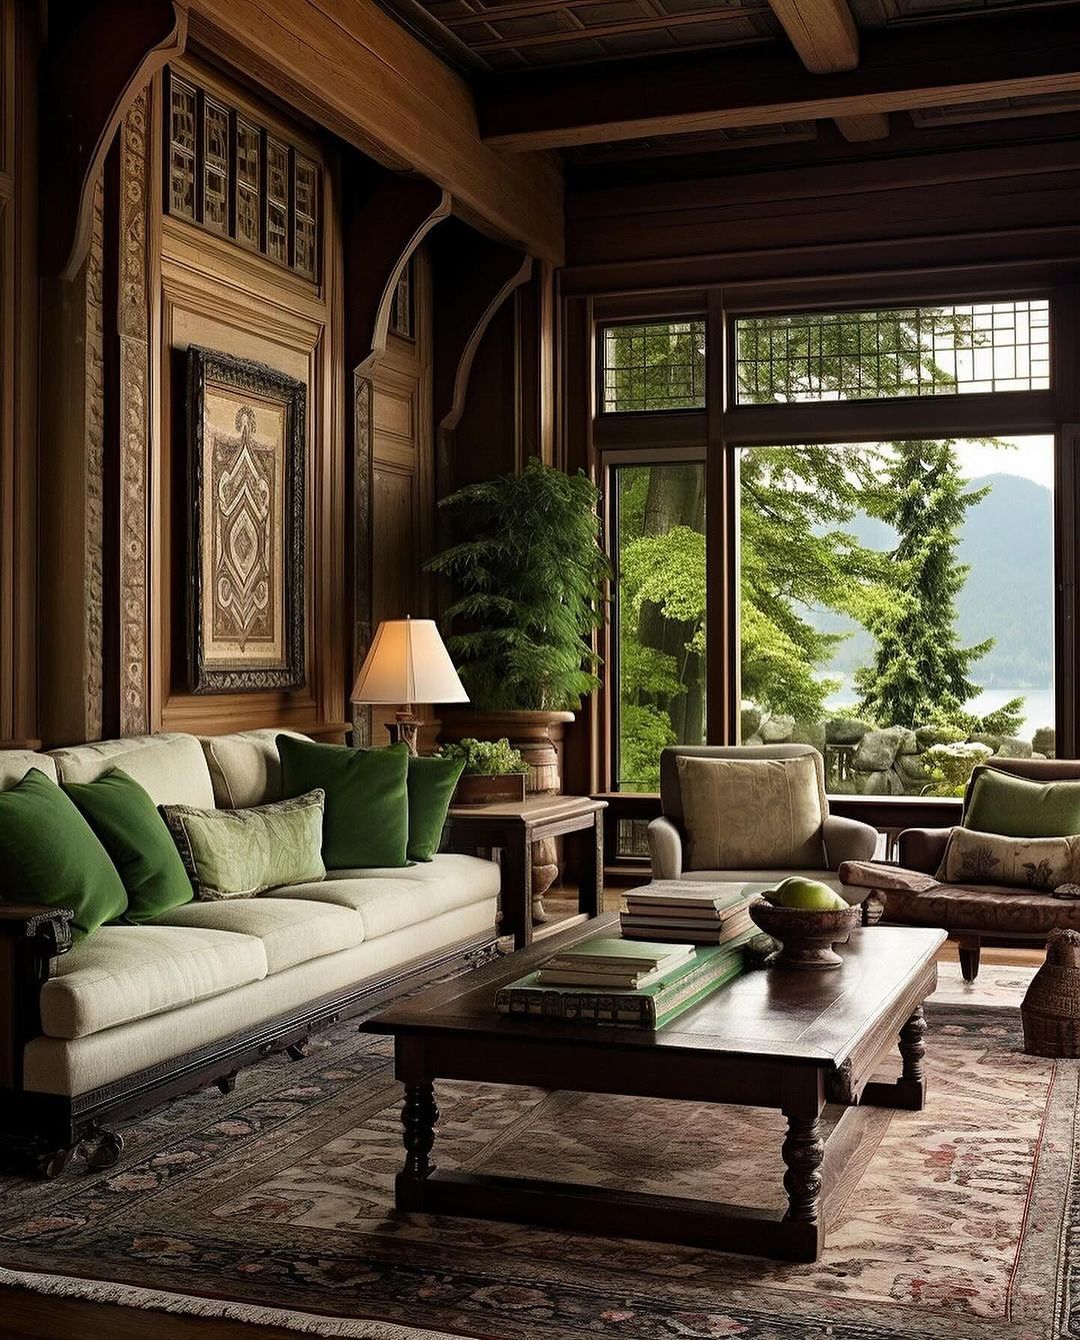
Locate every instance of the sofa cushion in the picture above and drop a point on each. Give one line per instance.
(986, 908)
(757, 812)
(170, 767)
(16, 763)
(291, 930)
(50, 854)
(392, 899)
(131, 830)
(245, 767)
(431, 785)
(1033, 863)
(124, 973)
(998, 802)
(239, 853)
(367, 803)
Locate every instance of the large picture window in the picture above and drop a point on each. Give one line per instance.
(888, 596)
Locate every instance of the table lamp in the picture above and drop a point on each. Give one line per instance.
(407, 663)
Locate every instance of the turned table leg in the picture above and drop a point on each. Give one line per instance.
(802, 1152)
(419, 1113)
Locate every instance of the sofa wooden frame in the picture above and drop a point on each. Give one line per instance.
(44, 1130)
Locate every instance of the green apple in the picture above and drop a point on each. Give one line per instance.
(808, 895)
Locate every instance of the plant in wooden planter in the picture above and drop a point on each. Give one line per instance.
(494, 770)
(528, 575)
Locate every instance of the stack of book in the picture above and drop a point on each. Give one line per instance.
(675, 910)
(607, 980)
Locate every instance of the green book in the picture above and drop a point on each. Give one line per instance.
(652, 1006)
(614, 954)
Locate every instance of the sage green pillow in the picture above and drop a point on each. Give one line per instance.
(239, 853)
(367, 800)
(49, 854)
(1018, 807)
(131, 830)
(431, 783)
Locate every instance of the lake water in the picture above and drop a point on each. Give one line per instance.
(1038, 705)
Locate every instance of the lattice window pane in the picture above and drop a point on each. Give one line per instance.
(248, 181)
(182, 100)
(915, 351)
(306, 210)
(653, 367)
(277, 201)
(215, 184)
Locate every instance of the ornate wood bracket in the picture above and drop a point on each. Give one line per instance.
(90, 83)
(473, 278)
(381, 234)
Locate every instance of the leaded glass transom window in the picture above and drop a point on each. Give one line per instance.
(654, 366)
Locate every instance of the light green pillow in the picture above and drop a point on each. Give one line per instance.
(431, 785)
(134, 834)
(367, 800)
(239, 853)
(1017, 807)
(49, 854)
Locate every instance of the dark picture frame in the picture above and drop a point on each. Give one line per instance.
(246, 529)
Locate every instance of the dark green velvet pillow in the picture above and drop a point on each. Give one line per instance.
(1018, 807)
(135, 835)
(49, 854)
(431, 786)
(366, 820)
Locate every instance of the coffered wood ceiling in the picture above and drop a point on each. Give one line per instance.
(609, 80)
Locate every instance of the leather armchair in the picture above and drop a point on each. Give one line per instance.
(843, 839)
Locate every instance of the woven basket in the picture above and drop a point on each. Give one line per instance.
(1051, 1008)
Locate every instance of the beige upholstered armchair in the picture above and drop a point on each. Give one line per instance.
(761, 815)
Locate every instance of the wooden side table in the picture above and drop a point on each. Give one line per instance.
(513, 827)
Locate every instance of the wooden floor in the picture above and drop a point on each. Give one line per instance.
(24, 1315)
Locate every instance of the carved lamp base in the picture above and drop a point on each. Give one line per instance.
(404, 728)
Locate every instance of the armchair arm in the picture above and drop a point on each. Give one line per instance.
(665, 848)
(922, 848)
(847, 840)
(31, 935)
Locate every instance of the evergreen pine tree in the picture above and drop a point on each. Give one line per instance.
(920, 672)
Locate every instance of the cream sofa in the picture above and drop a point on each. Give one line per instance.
(134, 1014)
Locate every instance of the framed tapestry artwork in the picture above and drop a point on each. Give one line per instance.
(246, 435)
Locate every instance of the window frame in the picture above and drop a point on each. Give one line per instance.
(721, 429)
(667, 318)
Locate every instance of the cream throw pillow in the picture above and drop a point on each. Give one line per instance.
(1039, 864)
(753, 813)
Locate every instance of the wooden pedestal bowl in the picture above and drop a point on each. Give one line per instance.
(806, 937)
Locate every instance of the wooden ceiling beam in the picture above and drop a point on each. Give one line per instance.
(862, 129)
(998, 55)
(822, 32)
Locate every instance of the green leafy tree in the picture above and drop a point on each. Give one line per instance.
(919, 667)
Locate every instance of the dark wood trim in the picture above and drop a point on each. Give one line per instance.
(89, 84)
(993, 56)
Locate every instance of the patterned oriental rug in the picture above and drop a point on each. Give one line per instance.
(275, 1204)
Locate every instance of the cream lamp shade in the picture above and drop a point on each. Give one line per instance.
(408, 663)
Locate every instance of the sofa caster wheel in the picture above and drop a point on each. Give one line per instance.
(227, 1083)
(50, 1164)
(298, 1050)
(107, 1151)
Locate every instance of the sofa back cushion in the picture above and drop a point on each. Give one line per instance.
(245, 767)
(16, 763)
(998, 802)
(1041, 864)
(760, 813)
(367, 799)
(131, 830)
(49, 854)
(169, 767)
(239, 853)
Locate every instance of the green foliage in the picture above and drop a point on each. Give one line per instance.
(490, 758)
(951, 765)
(1004, 720)
(644, 731)
(528, 575)
(919, 667)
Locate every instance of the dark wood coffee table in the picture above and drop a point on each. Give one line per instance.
(807, 1043)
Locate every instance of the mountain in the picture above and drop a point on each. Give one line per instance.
(1007, 540)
